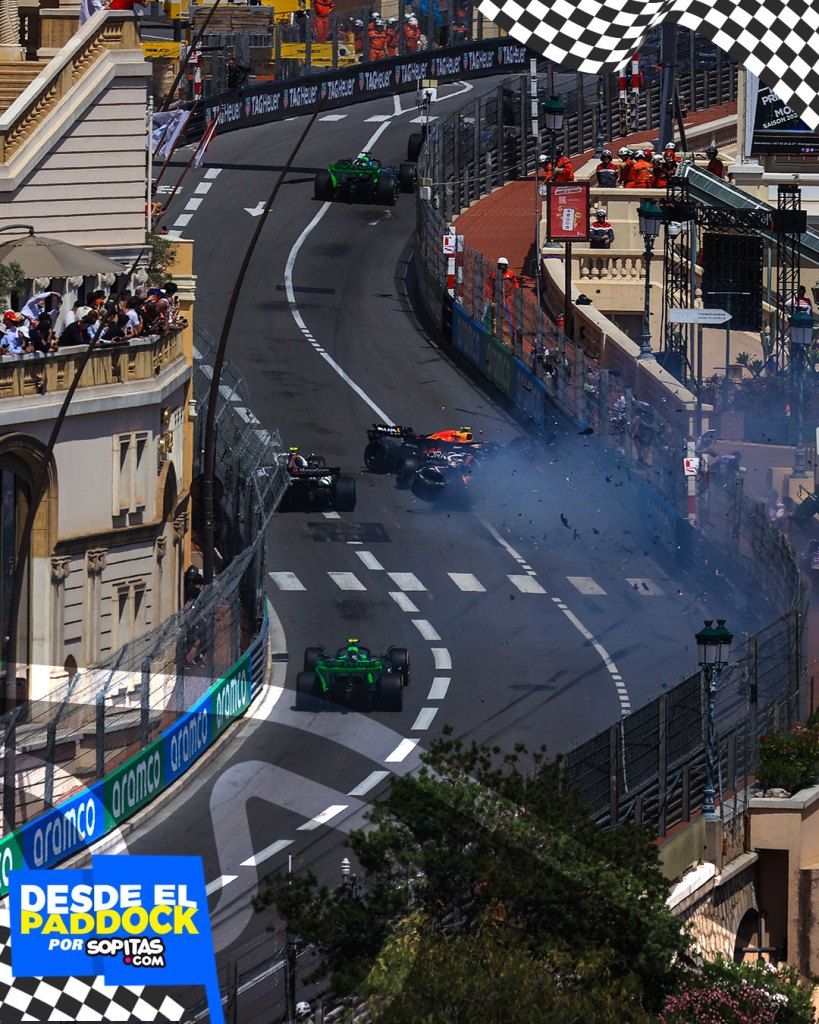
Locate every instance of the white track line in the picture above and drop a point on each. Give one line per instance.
(424, 719)
(426, 629)
(369, 783)
(443, 660)
(401, 752)
(266, 853)
(440, 685)
(323, 818)
(219, 883)
(403, 602)
(369, 560)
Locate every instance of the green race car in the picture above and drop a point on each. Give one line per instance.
(353, 676)
(364, 179)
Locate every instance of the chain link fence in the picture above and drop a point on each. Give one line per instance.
(104, 714)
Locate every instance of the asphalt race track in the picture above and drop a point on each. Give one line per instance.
(541, 614)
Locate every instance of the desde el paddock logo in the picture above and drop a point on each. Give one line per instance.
(131, 920)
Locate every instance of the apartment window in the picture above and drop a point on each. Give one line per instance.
(132, 476)
(130, 617)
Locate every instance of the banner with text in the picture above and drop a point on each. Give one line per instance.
(273, 101)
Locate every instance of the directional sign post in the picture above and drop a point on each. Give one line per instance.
(698, 316)
(704, 317)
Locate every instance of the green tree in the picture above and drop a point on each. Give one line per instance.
(161, 259)
(12, 278)
(492, 853)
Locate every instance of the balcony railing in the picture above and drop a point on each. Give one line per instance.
(35, 373)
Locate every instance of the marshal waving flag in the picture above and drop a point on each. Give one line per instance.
(778, 41)
(207, 138)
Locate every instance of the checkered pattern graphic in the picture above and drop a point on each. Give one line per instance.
(776, 40)
(80, 999)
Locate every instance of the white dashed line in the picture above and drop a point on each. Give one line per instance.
(467, 582)
(403, 601)
(406, 581)
(213, 172)
(585, 584)
(443, 660)
(174, 234)
(203, 188)
(331, 515)
(614, 672)
(401, 752)
(266, 853)
(222, 881)
(424, 719)
(377, 118)
(440, 685)
(286, 581)
(346, 581)
(503, 543)
(526, 585)
(323, 818)
(425, 629)
(333, 117)
(421, 120)
(193, 204)
(182, 220)
(369, 783)
(369, 560)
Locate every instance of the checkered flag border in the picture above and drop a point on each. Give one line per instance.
(75, 999)
(777, 41)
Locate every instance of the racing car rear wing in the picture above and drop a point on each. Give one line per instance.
(382, 430)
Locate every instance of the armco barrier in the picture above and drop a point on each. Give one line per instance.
(274, 101)
(88, 816)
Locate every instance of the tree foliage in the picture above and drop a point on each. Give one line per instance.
(161, 259)
(12, 278)
(484, 869)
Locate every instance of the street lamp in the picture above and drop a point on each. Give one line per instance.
(801, 338)
(553, 109)
(651, 217)
(541, 162)
(348, 879)
(712, 646)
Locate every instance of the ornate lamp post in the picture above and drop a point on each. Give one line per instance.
(712, 646)
(801, 338)
(651, 216)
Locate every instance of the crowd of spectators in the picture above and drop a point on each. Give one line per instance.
(116, 318)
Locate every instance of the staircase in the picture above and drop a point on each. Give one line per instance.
(15, 77)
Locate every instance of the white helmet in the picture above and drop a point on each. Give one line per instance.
(412, 20)
(503, 261)
(624, 152)
(376, 15)
(601, 213)
(670, 145)
(606, 153)
(640, 153)
(302, 1010)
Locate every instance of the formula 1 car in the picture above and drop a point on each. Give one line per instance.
(364, 179)
(392, 449)
(312, 482)
(353, 676)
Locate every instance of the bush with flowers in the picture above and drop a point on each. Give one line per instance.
(724, 992)
(790, 760)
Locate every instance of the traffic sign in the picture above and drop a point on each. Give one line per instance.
(698, 316)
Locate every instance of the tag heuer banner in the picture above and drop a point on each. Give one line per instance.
(273, 101)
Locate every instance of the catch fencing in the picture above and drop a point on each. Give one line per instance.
(650, 765)
(104, 714)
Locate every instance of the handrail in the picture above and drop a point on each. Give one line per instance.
(106, 31)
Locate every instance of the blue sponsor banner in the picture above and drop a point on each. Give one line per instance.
(69, 827)
(468, 337)
(131, 920)
(187, 740)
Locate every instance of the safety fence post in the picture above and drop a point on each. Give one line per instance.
(145, 702)
(51, 743)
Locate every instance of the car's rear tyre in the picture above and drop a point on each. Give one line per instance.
(407, 468)
(307, 698)
(312, 656)
(399, 659)
(406, 176)
(343, 494)
(415, 143)
(323, 185)
(390, 692)
(428, 487)
(382, 455)
(385, 190)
